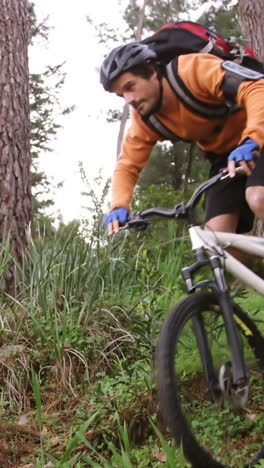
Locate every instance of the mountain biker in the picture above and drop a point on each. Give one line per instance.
(133, 72)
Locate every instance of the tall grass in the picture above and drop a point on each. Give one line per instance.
(85, 308)
(83, 331)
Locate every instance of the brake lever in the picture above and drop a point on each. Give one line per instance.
(181, 210)
(239, 171)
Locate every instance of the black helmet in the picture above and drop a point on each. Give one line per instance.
(123, 58)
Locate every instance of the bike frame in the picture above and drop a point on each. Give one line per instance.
(215, 243)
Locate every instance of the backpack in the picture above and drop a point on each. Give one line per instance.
(187, 37)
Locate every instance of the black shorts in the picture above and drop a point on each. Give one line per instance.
(229, 196)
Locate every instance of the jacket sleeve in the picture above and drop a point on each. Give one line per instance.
(136, 148)
(251, 97)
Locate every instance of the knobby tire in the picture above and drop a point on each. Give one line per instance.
(169, 386)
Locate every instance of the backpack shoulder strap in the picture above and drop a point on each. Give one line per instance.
(234, 75)
(204, 109)
(155, 124)
(198, 107)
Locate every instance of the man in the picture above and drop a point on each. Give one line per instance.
(133, 72)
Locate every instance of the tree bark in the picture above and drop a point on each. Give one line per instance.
(252, 25)
(15, 185)
(122, 127)
(188, 168)
(125, 113)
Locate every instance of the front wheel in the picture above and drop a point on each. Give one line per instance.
(211, 432)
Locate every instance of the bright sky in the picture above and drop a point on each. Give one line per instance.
(85, 136)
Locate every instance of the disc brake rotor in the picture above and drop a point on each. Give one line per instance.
(237, 394)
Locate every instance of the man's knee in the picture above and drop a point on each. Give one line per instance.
(255, 200)
(223, 223)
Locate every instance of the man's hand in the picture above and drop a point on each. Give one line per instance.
(114, 219)
(244, 155)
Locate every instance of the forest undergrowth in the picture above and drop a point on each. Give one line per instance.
(77, 356)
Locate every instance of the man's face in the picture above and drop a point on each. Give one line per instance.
(140, 93)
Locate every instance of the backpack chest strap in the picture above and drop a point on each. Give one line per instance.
(155, 124)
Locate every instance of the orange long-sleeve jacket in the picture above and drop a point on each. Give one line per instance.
(203, 75)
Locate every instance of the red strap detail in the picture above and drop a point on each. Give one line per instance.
(194, 28)
(205, 33)
(250, 52)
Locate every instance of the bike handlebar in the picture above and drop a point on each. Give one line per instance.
(183, 210)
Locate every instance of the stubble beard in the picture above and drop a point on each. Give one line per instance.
(151, 110)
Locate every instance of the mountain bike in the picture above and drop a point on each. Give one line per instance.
(225, 385)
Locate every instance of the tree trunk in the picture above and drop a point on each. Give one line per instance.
(126, 108)
(252, 25)
(122, 127)
(15, 185)
(188, 168)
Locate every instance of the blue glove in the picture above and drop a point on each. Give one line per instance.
(120, 213)
(243, 152)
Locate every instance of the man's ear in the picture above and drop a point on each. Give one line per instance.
(155, 73)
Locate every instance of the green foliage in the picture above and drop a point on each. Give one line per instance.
(78, 346)
(222, 19)
(172, 453)
(44, 92)
(165, 166)
(260, 464)
(114, 115)
(36, 29)
(168, 164)
(157, 14)
(85, 308)
(96, 197)
(155, 195)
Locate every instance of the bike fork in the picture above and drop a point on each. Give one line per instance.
(239, 368)
(237, 382)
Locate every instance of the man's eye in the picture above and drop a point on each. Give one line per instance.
(130, 87)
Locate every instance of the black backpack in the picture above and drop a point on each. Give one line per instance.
(187, 37)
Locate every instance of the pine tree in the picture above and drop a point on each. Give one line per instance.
(15, 180)
(252, 25)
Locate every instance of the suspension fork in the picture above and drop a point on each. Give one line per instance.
(239, 368)
(219, 286)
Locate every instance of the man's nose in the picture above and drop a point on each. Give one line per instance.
(129, 98)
